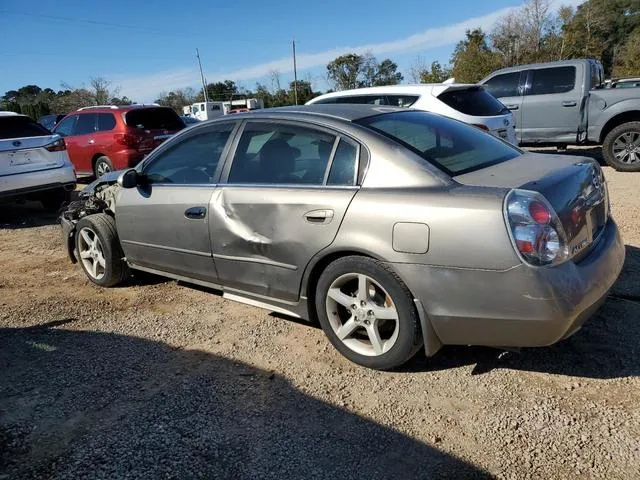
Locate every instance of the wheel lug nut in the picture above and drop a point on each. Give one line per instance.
(370, 313)
(367, 322)
(363, 303)
(354, 307)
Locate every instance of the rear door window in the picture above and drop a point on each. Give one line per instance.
(106, 122)
(553, 80)
(20, 127)
(153, 119)
(344, 165)
(279, 154)
(86, 124)
(505, 85)
(474, 101)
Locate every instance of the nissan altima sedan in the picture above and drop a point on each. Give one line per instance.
(395, 229)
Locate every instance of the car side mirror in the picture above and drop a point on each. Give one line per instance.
(128, 178)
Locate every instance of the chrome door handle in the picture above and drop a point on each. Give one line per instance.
(513, 107)
(92, 141)
(569, 103)
(195, 213)
(319, 216)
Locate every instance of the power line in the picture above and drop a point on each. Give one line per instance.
(166, 32)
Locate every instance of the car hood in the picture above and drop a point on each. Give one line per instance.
(106, 179)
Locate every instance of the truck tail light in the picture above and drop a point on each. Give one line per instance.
(535, 229)
(56, 146)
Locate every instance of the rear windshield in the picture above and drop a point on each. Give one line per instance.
(452, 146)
(475, 101)
(20, 127)
(153, 119)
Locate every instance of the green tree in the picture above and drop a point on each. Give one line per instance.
(386, 73)
(472, 58)
(436, 74)
(600, 29)
(628, 60)
(219, 91)
(356, 71)
(345, 71)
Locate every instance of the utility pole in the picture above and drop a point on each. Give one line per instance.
(295, 73)
(204, 85)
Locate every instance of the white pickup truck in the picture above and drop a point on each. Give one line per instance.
(565, 103)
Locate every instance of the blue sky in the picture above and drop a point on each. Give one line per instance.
(149, 47)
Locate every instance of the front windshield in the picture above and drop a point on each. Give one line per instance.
(452, 146)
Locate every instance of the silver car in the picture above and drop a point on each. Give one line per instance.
(393, 228)
(34, 164)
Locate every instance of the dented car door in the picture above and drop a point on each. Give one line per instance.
(286, 192)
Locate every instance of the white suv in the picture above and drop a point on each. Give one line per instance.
(467, 103)
(33, 162)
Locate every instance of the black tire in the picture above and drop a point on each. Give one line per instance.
(409, 338)
(115, 270)
(608, 145)
(103, 165)
(52, 201)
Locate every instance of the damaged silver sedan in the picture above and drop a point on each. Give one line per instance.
(394, 229)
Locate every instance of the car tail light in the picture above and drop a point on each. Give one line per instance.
(56, 146)
(535, 229)
(127, 140)
(481, 126)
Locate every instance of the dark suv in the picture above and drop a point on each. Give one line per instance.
(104, 138)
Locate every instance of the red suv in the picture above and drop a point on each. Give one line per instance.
(104, 138)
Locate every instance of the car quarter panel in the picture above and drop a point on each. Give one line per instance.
(465, 224)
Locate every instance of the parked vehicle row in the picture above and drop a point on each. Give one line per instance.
(468, 103)
(34, 163)
(564, 103)
(395, 228)
(101, 139)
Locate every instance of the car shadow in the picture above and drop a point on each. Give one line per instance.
(82, 404)
(28, 214)
(594, 152)
(607, 346)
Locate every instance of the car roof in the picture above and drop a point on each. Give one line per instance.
(10, 114)
(402, 89)
(117, 108)
(342, 111)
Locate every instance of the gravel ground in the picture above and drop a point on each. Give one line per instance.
(158, 379)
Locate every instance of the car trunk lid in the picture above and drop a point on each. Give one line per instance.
(574, 186)
(28, 154)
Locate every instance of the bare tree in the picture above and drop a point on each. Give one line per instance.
(100, 89)
(274, 77)
(418, 67)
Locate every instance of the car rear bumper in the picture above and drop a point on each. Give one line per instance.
(23, 184)
(519, 307)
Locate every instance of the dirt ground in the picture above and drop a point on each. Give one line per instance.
(158, 379)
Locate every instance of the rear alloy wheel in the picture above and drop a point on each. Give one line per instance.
(367, 313)
(621, 147)
(103, 165)
(99, 250)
